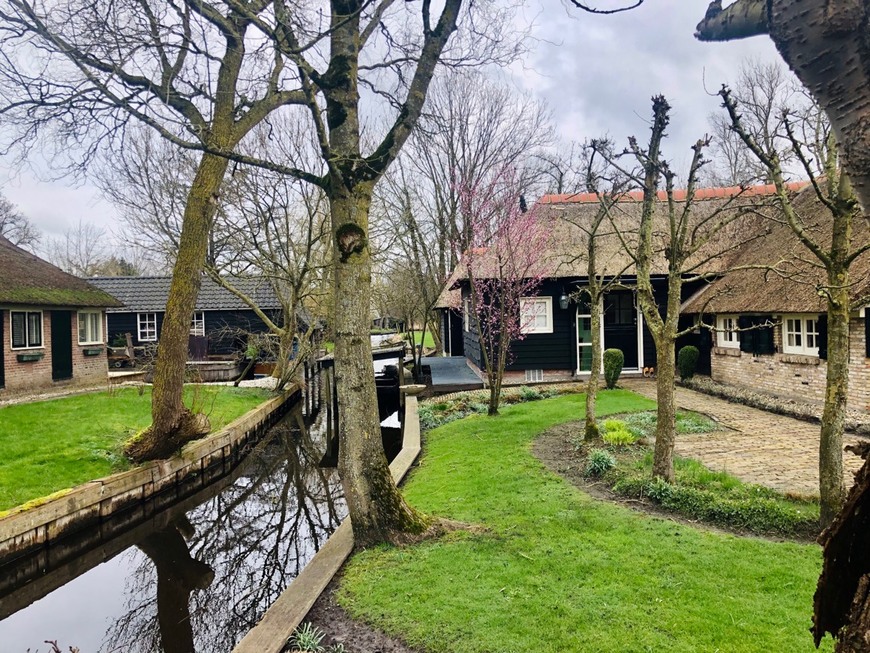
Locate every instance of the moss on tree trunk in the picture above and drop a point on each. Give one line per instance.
(378, 511)
(172, 424)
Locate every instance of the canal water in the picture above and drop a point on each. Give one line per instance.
(196, 577)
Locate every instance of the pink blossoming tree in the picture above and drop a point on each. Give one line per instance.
(505, 264)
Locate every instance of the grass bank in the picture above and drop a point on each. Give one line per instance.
(51, 445)
(557, 571)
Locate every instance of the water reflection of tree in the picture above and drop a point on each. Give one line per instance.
(256, 535)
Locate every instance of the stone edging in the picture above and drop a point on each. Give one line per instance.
(37, 523)
(270, 635)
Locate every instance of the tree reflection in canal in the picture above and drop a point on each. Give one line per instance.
(201, 582)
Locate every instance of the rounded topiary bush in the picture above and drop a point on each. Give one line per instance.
(687, 362)
(613, 362)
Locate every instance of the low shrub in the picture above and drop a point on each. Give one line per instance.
(716, 498)
(619, 437)
(687, 362)
(599, 462)
(614, 359)
(530, 394)
(643, 424)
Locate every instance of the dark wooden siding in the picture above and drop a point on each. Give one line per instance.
(122, 323)
(549, 351)
(225, 329)
(470, 340)
(558, 350)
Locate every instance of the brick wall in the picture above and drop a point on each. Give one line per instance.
(36, 375)
(802, 377)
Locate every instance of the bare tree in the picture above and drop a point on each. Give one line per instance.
(81, 250)
(598, 283)
(689, 241)
(15, 227)
(834, 251)
(825, 43)
(472, 129)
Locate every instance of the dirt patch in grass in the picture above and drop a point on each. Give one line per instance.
(340, 628)
(557, 451)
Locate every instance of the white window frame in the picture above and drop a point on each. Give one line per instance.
(547, 305)
(140, 321)
(197, 323)
(27, 339)
(85, 316)
(727, 334)
(466, 314)
(797, 331)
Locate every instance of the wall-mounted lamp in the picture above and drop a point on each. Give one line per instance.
(563, 301)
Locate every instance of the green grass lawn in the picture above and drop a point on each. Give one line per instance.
(428, 341)
(558, 571)
(51, 445)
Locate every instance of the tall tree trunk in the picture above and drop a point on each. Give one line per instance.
(831, 488)
(172, 424)
(591, 431)
(378, 511)
(663, 457)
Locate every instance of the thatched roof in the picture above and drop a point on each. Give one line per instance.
(792, 287)
(26, 279)
(569, 218)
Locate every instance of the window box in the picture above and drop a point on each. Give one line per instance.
(32, 357)
(92, 351)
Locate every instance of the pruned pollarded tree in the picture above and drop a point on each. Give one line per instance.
(504, 263)
(598, 283)
(825, 43)
(835, 252)
(680, 238)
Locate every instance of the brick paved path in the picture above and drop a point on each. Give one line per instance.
(760, 447)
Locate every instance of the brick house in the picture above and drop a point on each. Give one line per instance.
(770, 329)
(52, 325)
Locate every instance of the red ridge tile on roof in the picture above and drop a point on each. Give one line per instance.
(679, 195)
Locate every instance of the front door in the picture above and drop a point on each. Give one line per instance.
(61, 345)
(621, 326)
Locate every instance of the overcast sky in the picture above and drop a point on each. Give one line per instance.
(597, 73)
